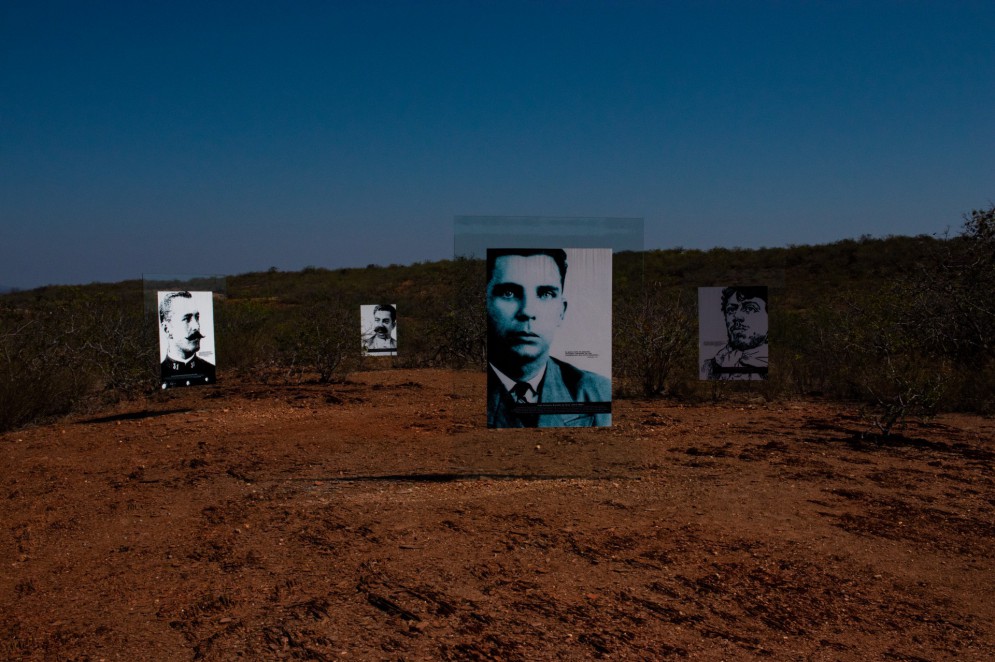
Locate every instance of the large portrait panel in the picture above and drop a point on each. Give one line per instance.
(549, 337)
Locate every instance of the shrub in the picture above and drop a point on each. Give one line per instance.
(654, 333)
(323, 334)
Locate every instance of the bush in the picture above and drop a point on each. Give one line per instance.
(321, 337)
(459, 328)
(654, 334)
(57, 357)
(873, 354)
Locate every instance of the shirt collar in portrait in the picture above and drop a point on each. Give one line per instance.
(379, 343)
(181, 361)
(509, 383)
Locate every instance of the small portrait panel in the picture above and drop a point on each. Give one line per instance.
(549, 337)
(732, 333)
(378, 324)
(186, 338)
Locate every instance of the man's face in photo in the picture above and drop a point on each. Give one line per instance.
(746, 322)
(383, 324)
(525, 305)
(183, 326)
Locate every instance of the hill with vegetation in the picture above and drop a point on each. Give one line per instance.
(904, 324)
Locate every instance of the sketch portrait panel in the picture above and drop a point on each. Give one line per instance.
(732, 333)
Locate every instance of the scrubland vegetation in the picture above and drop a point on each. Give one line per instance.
(905, 326)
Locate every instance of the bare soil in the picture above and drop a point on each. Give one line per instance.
(379, 519)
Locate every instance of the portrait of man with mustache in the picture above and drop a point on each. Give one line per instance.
(181, 332)
(380, 332)
(745, 353)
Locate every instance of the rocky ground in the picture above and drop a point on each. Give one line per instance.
(378, 519)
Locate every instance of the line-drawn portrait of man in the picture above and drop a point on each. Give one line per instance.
(526, 308)
(379, 329)
(186, 321)
(743, 354)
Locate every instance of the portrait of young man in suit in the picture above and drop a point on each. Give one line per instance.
(526, 386)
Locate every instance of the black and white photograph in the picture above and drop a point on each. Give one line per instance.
(732, 333)
(549, 337)
(186, 338)
(379, 329)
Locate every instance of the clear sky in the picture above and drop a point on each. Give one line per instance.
(175, 137)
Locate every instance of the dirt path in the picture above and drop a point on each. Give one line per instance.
(378, 520)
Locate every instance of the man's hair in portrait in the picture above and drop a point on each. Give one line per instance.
(558, 254)
(743, 293)
(387, 308)
(166, 307)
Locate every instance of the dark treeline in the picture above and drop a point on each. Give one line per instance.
(903, 325)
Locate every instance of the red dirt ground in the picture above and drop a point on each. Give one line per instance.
(379, 519)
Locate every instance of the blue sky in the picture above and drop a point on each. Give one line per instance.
(232, 137)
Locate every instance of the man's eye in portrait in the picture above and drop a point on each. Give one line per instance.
(507, 292)
(751, 307)
(547, 292)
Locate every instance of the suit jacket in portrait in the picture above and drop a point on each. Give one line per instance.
(193, 372)
(561, 383)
